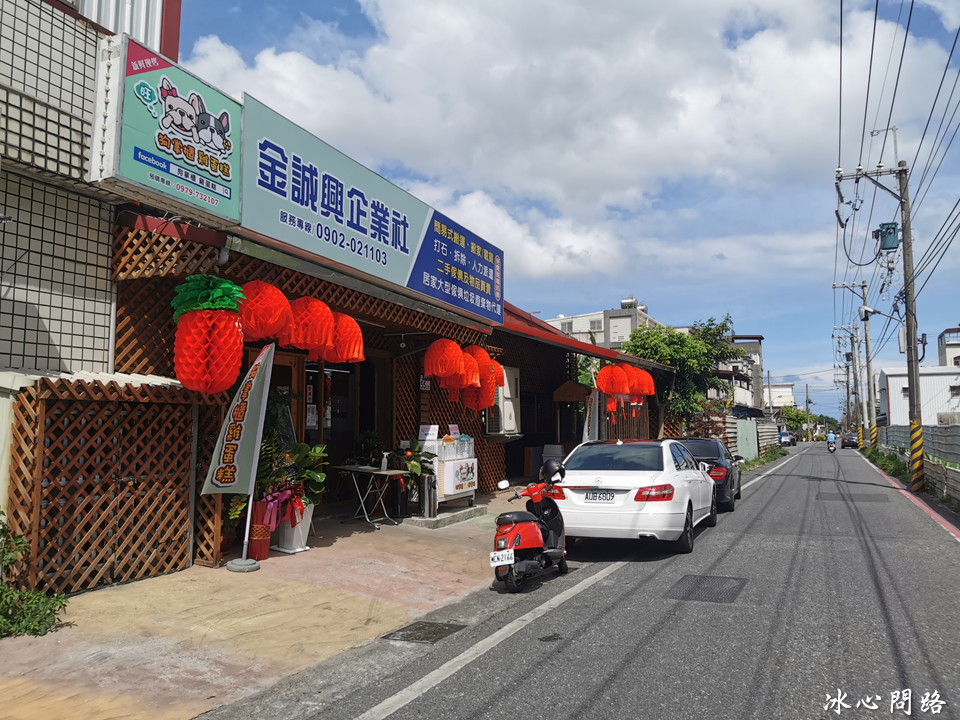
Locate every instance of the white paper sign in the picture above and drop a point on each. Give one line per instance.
(454, 430)
(429, 432)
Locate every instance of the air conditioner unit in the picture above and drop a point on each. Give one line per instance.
(504, 417)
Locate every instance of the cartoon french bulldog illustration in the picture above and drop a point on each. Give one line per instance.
(179, 114)
(212, 129)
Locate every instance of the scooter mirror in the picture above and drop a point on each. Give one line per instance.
(503, 484)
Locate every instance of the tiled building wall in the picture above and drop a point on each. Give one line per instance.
(47, 87)
(56, 296)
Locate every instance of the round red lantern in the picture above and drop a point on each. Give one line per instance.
(611, 380)
(482, 396)
(264, 311)
(443, 359)
(647, 386)
(347, 341)
(312, 327)
(501, 376)
(470, 377)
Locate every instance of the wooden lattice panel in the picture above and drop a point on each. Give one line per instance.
(145, 327)
(208, 513)
(93, 527)
(142, 254)
(139, 254)
(96, 390)
(407, 399)
(23, 446)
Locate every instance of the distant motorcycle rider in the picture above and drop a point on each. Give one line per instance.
(831, 438)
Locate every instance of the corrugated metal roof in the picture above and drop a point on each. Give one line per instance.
(15, 379)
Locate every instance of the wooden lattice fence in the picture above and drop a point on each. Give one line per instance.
(101, 481)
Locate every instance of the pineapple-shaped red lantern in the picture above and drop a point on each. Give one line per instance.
(208, 348)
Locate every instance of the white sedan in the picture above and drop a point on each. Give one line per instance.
(650, 489)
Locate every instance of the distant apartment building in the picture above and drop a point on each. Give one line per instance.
(609, 328)
(948, 348)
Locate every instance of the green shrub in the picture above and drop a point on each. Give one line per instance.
(23, 612)
(28, 612)
(892, 464)
(769, 455)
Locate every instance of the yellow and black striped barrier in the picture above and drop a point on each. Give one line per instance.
(916, 456)
(860, 438)
(873, 436)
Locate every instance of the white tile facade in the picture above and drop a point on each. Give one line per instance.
(47, 87)
(56, 296)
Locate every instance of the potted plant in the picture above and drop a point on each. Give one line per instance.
(233, 512)
(299, 490)
(419, 465)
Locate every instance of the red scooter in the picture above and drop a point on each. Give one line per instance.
(529, 542)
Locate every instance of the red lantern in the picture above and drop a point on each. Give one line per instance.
(611, 380)
(312, 327)
(208, 350)
(470, 377)
(443, 359)
(501, 376)
(347, 341)
(483, 396)
(264, 311)
(647, 385)
(611, 404)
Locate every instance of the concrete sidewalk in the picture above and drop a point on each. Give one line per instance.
(178, 645)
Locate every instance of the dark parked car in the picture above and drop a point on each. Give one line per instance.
(849, 441)
(724, 468)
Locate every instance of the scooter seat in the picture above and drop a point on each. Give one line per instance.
(518, 516)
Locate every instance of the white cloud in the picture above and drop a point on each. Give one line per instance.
(580, 108)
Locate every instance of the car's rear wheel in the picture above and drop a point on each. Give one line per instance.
(685, 543)
(711, 520)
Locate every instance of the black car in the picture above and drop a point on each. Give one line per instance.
(724, 468)
(849, 441)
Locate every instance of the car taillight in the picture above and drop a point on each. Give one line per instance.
(718, 473)
(555, 492)
(654, 493)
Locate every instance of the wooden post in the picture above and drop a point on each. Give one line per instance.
(36, 490)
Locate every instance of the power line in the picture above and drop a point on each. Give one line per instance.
(896, 84)
(866, 101)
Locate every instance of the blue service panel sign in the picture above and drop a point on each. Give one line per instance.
(459, 268)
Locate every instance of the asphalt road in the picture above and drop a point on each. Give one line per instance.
(847, 589)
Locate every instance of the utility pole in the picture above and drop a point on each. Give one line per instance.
(913, 364)
(846, 413)
(863, 428)
(770, 394)
(871, 404)
(806, 395)
(856, 389)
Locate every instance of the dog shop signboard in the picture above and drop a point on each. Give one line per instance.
(167, 137)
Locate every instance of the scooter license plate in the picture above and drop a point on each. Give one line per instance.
(501, 557)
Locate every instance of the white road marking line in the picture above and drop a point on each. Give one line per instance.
(772, 470)
(412, 692)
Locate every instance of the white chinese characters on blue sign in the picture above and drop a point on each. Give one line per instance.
(303, 192)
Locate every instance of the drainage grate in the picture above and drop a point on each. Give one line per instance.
(424, 632)
(860, 497)
(706, 588)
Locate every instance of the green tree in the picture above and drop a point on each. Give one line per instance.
(694, 355)
(794, 419)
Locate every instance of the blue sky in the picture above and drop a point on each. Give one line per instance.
(684, 154)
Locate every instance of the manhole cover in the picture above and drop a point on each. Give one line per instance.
(860, 497)
(706, 588)
(424, 632)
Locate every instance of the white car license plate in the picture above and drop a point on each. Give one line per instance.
(598, 496)
(501, 557)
